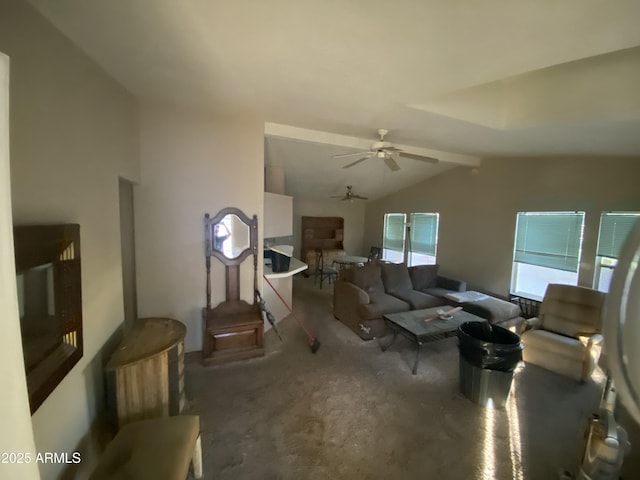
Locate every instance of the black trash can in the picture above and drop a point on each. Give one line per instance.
(279, 262)
(281, 258)
(488, 356)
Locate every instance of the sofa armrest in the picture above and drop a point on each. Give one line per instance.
(592, 339)
(532, 323)
(352, 292)
(451, 284)
(592, 352)
(346, 298)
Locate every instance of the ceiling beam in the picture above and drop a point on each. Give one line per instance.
(357, 143)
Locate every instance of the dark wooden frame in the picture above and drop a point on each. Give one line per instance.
(232, 265)
(59, 245)
(232, 330)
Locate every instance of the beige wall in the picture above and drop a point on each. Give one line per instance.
(15, 418)
(73, 133)
(353, 214)
(191, 165)
(478, 212)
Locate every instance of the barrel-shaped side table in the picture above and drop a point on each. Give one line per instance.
(145, 375)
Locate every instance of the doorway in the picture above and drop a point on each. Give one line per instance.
(128, 248)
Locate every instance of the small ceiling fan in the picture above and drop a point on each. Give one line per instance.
(349, 196)
(385, 150)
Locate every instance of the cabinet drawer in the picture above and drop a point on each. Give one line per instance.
(233, 336)
(233, 340)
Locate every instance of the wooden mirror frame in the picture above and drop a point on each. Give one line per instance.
(58, 245)
(232, 265)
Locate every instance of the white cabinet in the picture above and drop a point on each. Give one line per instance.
(278, 215)
(278, 222)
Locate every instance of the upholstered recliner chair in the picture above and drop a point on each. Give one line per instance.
(565, 337)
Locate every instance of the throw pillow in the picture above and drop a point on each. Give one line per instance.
(395, 277)
(367, 277)
(424, 276)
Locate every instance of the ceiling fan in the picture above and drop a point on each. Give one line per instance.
(349, 196)
(385, 150)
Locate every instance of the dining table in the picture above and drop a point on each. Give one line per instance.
(347, 261)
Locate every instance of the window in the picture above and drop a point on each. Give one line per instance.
(423, 239)
(394, 235)
(547, 250)
(614, 228)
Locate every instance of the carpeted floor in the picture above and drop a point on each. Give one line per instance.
(352, 412)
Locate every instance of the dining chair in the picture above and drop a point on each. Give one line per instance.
(375, 253)
(323, 271)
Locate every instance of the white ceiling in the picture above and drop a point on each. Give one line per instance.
(479, 78)
(312, 174)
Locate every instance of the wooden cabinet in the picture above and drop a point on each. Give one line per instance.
(145, 376)
(322, 232)
(233, 331)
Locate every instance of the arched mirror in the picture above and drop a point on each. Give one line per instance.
(229, 236)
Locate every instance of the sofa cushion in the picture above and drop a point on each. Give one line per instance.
(437, 292)
(493, 309)
(449, 283)
(557, 353)
(570, 318)
(381, 304)
(367, 277)
(424, 276)
(553, 344)
(571, 310)
(419, 300)
(395, 277)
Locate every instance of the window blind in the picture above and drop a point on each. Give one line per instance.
(424, 233)
(549, 239)
(394, 232)
(614, 229)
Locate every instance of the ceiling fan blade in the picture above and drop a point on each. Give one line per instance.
(421, 158)
(359, 197)
(392, 164)
(356, 162)
(392, 149)
(351, 154)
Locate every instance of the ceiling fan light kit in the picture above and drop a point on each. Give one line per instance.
(385, 151)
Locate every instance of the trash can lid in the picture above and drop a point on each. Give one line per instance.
(488, 333)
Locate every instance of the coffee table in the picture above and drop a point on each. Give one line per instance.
(413, 326)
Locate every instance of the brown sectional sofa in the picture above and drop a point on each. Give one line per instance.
(363, 295)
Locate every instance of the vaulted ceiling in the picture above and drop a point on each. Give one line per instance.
(467, 77)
